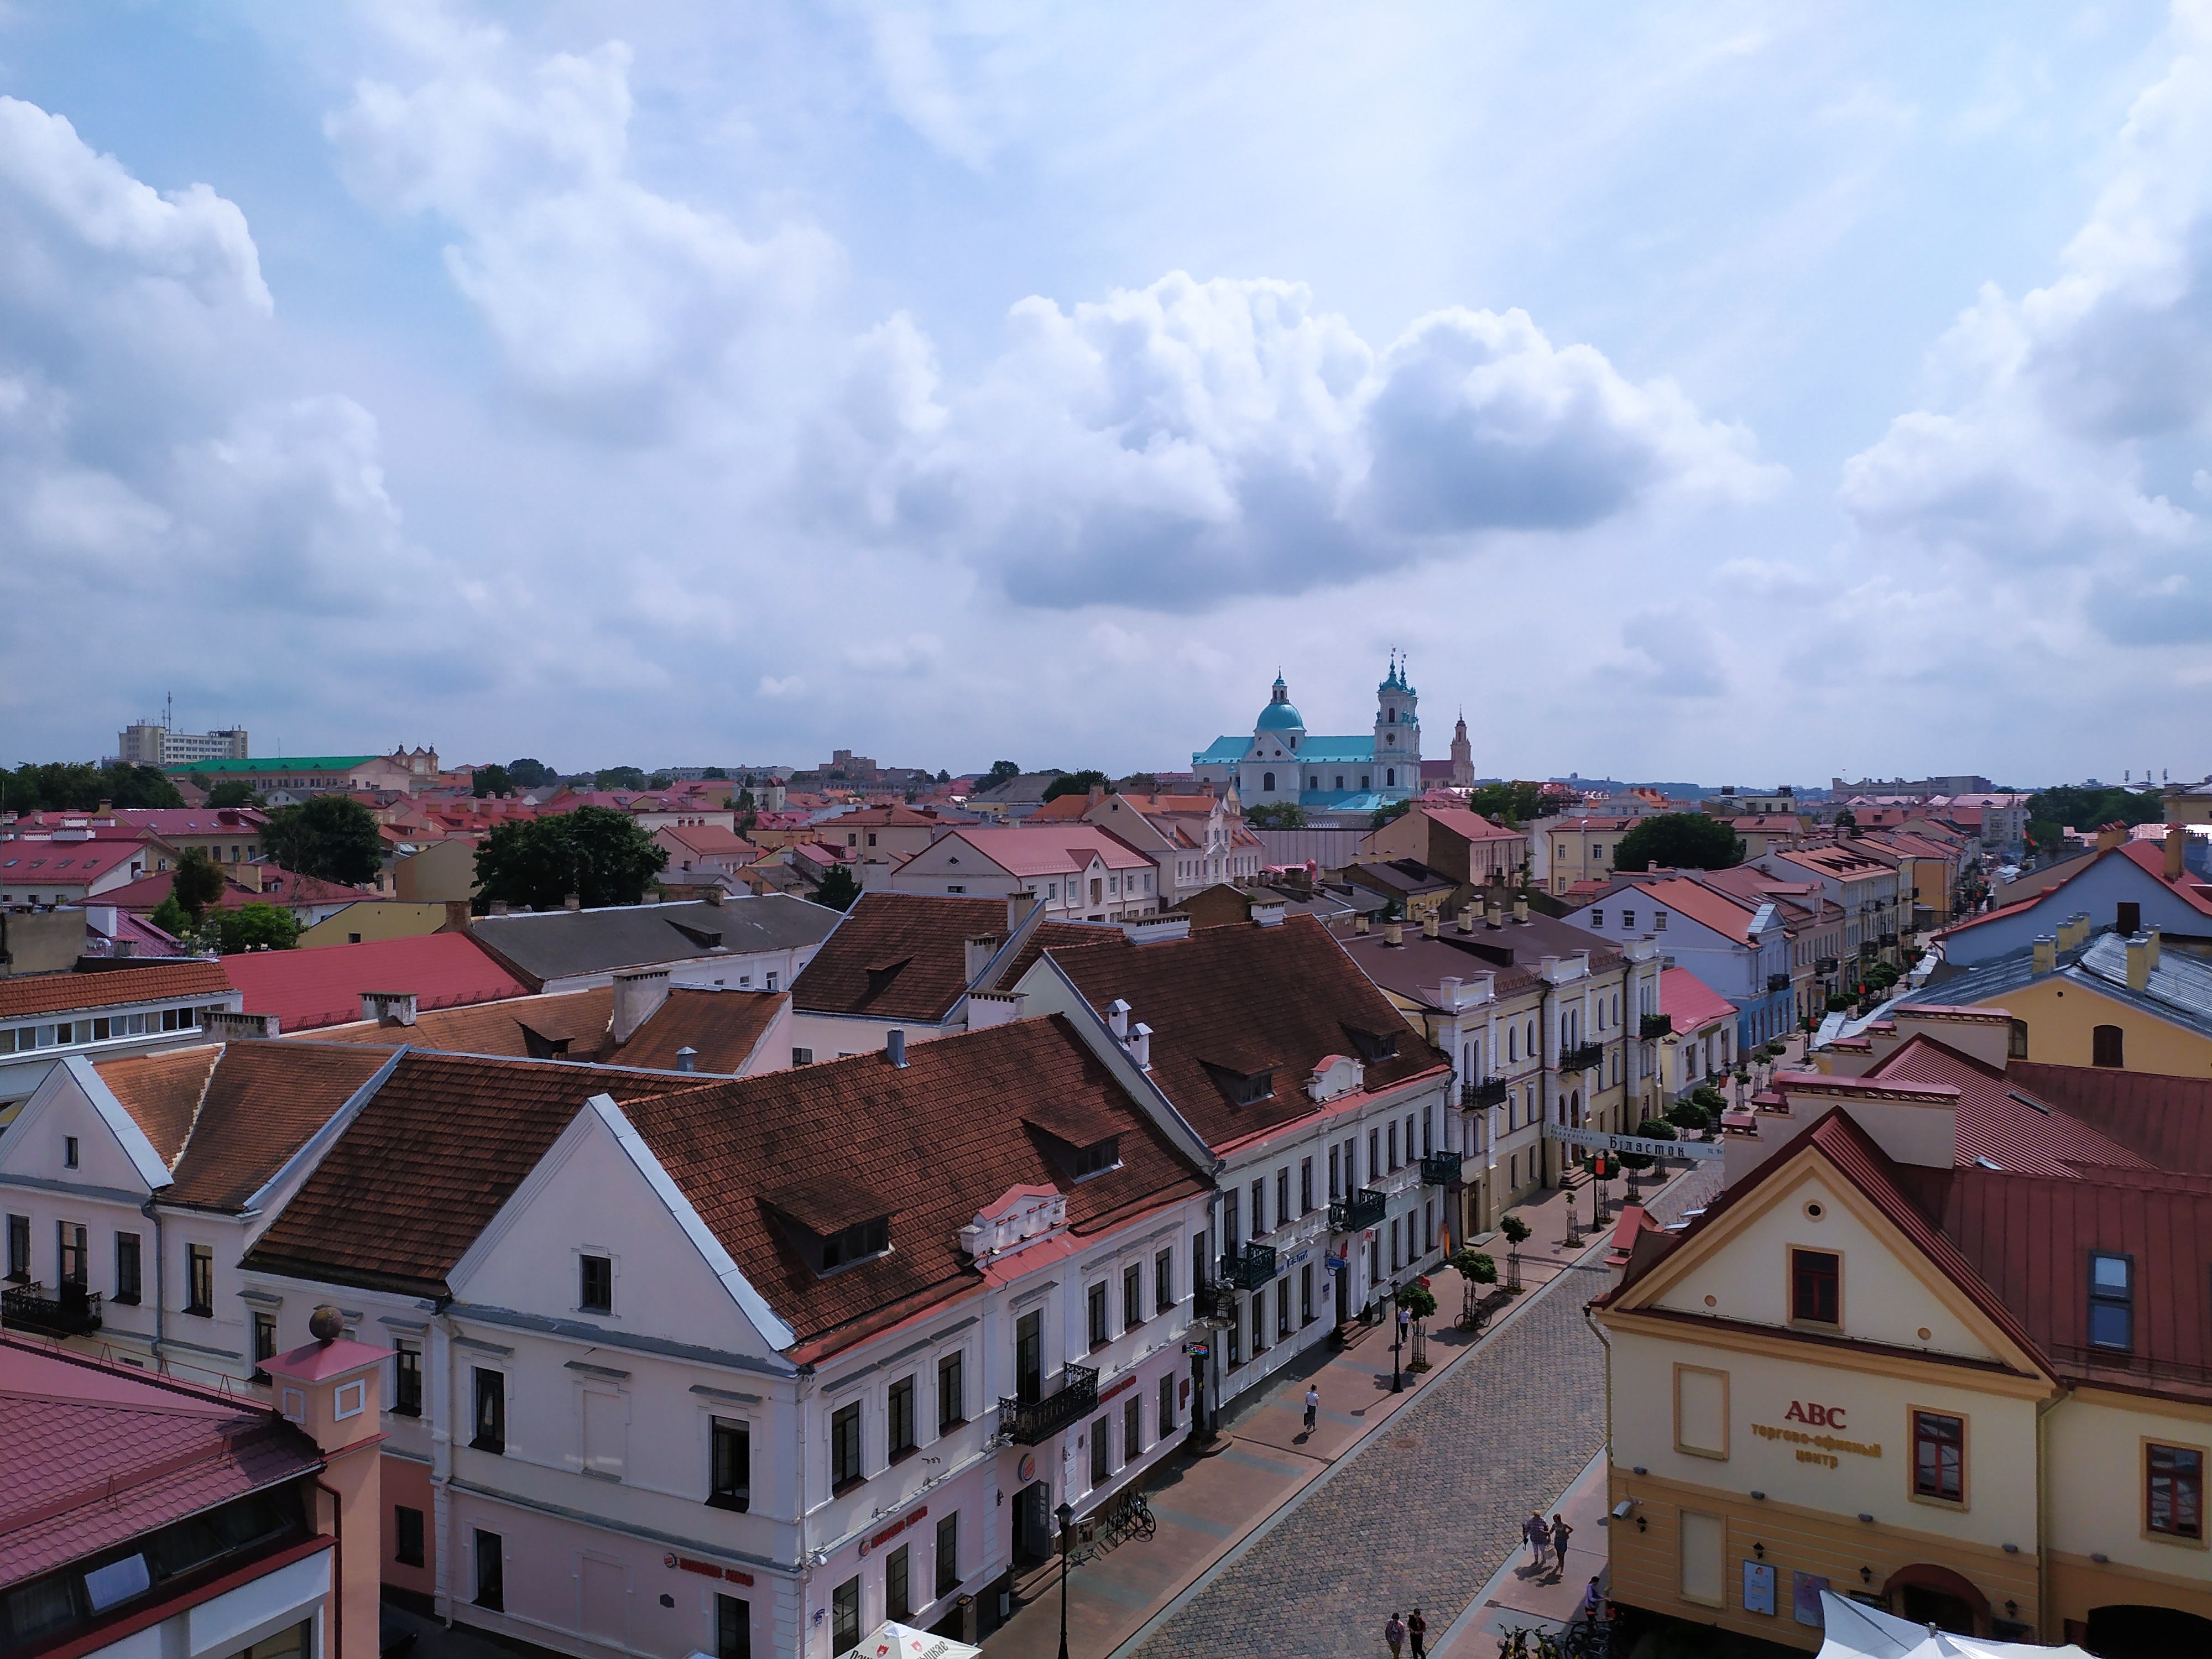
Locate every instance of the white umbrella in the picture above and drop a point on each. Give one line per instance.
(1856, 1630)
(894, 1641)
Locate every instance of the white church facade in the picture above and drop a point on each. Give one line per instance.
(1336, 780)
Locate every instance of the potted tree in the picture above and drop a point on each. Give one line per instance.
(1419, 1300)
(1516, 1233)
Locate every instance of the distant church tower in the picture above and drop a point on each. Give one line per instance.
(1397, 732)
(1462, 753)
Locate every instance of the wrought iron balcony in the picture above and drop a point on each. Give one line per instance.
(1866, 948)
(1248, 1268)
(1825, 965)
(1440, 1169)
(75, 1312)
(1027, 1422)
(1657, 1025)
(1490, 1091)
(1888, 941)
(1582, 1057)
(1217, 1300)
(1363, 1209)
(1777, 982)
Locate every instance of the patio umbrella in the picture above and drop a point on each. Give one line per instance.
(1856, 1630)
(895, 1641)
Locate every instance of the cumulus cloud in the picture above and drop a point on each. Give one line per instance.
(1170, 445)
(615, 304)
(2058, 413)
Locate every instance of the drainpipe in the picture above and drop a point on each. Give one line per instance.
(1598, 1334)
(338, 1577)
(2043, 1511)
(160, 1284)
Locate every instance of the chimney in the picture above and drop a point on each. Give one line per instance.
(104, 810)
(1097, 793)
(638, 997)
(2046, 953)
(1394, 933)
(1140, 1046)
(1466, 918)
(1430, 927)
(126, 947)
(2139, 962)
(223, 1026)
(573, 902)
(497, 907)
(458, 920)
(687, 1059)
(714, 896)
(1019, 905)
(894, 1046)
(2152, 938)
(1117, 1019)
(2177, 843)
(978, 950)
(1495, 915)
(1359, 922)
(1520, 909)
(389, 1007)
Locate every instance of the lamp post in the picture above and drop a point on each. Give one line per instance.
(1066, 1515)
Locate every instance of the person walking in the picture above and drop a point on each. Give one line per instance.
(1538, 1535)
(1418, 1628)
(1393, 1633)
(1312, 1405)
(1560, 1533)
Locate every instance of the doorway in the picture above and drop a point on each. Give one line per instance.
(1033, 1524)
(1925, 1605)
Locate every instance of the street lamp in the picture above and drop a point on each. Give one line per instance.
(1397, 1340)
(1066, 1515)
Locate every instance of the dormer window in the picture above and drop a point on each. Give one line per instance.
(1244, 1088)
(1374, 1045)
(829, 1226)
(1077, 1147)
(856, 1243)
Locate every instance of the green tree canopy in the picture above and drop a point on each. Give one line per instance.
(1679, 840)
(254, 926)
(661, 781)
(943, 776)
(1382, 815)
(603, 856)
(492, 780)
(1076, 783)
(198, 881)
(169, 916)
(1846, 821)
(618, 777)
(713, 774)
(1276, 815)
(2089, 807)
(531, 774)
(331, 837)
(838, 889)
(233, 792)
(1509, 803)
(1000, 772)
(74, 786)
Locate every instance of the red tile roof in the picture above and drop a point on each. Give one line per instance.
(903, 955)
(68, 863)
(1470, 826)
(111, 987)
(1052, 849)
(721, 1027)
(309, 988)
(566, 1024)
(1692, 1003)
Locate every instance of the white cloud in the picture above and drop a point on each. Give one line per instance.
(2055, 413)
(1169, 446)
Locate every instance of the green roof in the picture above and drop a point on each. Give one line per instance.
(289, 764)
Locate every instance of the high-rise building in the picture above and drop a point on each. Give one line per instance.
(146, 744)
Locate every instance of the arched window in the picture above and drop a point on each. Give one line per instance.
(1392, 718)
(1390, 778)
(1532, 1039)
(1364, 784)
(1512, 1042)
(2105, 1047)
(2016, 1047)
(1267, 783)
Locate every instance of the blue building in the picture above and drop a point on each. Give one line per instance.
(1337, 779)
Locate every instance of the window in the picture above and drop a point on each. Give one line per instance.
(1259, 1207)
(951, 1393)
(2127, 918)
(2016, 1041)
(490, 1388)
(802, 1056)
(126, 1268)
(1816, 1286)
(69, 1152)
(902, 1418)
(845, 1617)
(2112, 1302)
(1236, 1340)
(1597, 918)
(1102, 1453)
(2174, 1491)
(1259, 1323)
(491, 1578)
(1283, 1211)
(406, 1536)
(1164, 1281)
(1029, 1358)
(1658, 921)
(70, 1266)
(1230, 1235)
(2107, 1048)
(1266, 783)
(595, 1287)
(1939, 1457)
(407, 1380)
(1132, 1429)
(19, 1248)
(1167, 1403)
(729, 1463)
(733, 1627)
(898, 1583)
(1132, 1297)
(1305, 1187)
(1394, 1144)
(1306, 1294)
(1374, 1154)
(264, 1337)
(199, 1280)
(948, 1554)
(1282, 1307)
(1335, 1182)
(856, 1242)
(845, 1451)
(1096, 1299)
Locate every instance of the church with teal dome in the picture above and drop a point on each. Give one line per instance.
(1338, 781)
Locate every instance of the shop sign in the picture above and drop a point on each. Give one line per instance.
(1337, 1264)
(1820, 1449)
(1026, 1471)
(1195, 1350)
(1820, 1417)
(897, 1527)
(705, 1568)
(1122, 1387)
(1759, 1588)
(1805, 1589)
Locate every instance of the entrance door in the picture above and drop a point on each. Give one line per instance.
(1343, 1294)
(1033, 1522)
(1925, 1605)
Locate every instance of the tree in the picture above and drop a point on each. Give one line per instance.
(1276, 815)
(1679, 840)
(1511, 805)
(331, 837)
(1515, 1230)
(618, 777)
(233, 792)
(169, 916)
(838, 889)
(74, 786)
(494, 779)
(255, 926)
(1382, 815)
(1417, 1299)
(659, 780)
(1847, 822)
(943, 776)
(1475, 1266)
(1076, 783)
(1000, 772)
(198, 881)
(713, 774)
(603, 856)
(530, 773)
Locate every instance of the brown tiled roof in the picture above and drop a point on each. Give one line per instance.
(1056, 936)
(426, 1164)
(2166, 1120)
(576, 1018)
(935, 1141)
(722, 1027)
(903, 955)
(1245, 998)
(53, 993)
(162, 1093)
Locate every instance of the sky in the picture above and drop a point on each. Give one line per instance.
(1737, 392)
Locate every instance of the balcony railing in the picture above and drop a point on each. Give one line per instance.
(1249, 1268)
(1027, 1422)
(2120, 1362)
(1866, 948)
(1363, 1209)
(1777, 982)
(1440, 1169)
(1217, 1300)
(75, 1312)
(1490, 1091)
(1888, 941)
(1582, 1057)
(1825, 965)
(1657, 1025)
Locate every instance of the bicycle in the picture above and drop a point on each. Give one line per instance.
(1514, 1643)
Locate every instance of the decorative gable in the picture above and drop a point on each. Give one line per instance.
(1021, 1218)
(1336, 1075)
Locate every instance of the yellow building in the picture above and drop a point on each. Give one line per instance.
(1564, 851)
(1885, 1362)
(2104, 1000)
(378, 919)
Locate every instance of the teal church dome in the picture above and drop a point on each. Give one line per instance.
(1280, 714)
